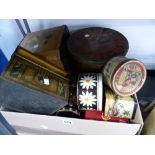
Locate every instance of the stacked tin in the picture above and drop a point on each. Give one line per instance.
(82, 75)
(111, 93)
(125, 77)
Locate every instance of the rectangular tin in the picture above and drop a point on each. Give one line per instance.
(37, 77)
(49, 46)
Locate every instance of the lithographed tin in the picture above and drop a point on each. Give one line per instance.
(37, 77)
(90, 48)
(48, 45)
(90, 91)
(119, 106)
(124, 76)
(98, 115)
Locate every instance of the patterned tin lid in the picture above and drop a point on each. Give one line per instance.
(129, 78)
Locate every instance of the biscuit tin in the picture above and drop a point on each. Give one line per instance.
(124, 76)
(90, 91)
(119, 106)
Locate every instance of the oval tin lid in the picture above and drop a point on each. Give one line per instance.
(129, 78)
(97, 44)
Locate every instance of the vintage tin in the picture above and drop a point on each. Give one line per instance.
(20, 98)
(90, 48)
(48, 45)
(68, 111)
(124, 76)
(90, 91)
(119, 106)
(98, 115)
(36, 76)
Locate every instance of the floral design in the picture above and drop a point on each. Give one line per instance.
(87, 99)
(119, 109)
(88, 82)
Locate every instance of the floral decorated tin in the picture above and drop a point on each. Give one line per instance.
(90, 91)
(124, 76)
(119, 106)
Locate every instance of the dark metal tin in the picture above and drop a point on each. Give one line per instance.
(90, 48)
(19, 98)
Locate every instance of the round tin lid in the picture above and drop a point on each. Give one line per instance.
(97, 44)
(129, 78)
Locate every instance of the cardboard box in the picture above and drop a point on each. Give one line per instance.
(42, 124)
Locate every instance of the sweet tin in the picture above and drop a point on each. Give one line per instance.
(124, 76)
(90, 91)
(98, 115)
(119, 106)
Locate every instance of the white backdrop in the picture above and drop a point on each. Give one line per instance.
(140, 34)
